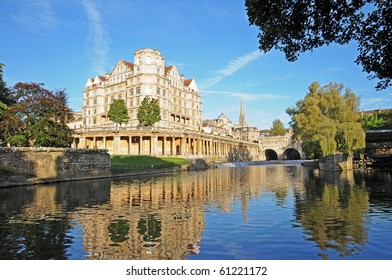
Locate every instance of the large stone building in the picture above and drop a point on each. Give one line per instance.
(179, 132)
(148, 75)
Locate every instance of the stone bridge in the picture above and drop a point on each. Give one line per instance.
(279, 148)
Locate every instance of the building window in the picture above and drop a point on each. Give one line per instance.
(120, 96)
(95, 101)
(138, 90)
(112, 98)
(158, 90)
(131, 91)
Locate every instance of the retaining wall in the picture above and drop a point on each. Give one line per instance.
(55, 163)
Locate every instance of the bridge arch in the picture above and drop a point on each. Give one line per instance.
(271, 154)
(291, 154)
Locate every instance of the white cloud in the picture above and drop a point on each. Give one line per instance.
(98, 41)
(37, 16)
(233, 66)
(244, 96)
(375, 101)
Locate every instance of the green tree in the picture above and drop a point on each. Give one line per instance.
(4, 98)
(4, 90)
(277, 128)
(373, 121)
(328, 121)
(149, 111)
(387, 117)
(295, 26)
(118, 112)
(37, 115)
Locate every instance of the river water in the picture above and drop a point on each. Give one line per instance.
(277, 212)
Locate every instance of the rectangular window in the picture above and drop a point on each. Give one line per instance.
(138, 90)
(112, 98)
(131, 91)
(158, 90)
(106, 100)
(95, 101)
(120, 96)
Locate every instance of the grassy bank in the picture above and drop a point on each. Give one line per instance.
(129, 163)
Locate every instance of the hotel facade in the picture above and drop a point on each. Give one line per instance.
(180, 130)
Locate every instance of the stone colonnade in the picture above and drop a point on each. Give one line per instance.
(159, 143)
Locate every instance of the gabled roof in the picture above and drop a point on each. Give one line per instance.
(191, 84)
(89, 82)
(187, 82)
(168, 69)
(129, 64)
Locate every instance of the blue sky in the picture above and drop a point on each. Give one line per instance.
(63, 42)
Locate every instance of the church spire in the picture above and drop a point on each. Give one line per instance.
(242, 122)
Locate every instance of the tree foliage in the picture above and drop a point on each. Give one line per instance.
(373, 121)
(277, 128)
(37, 116)
(295, 26)
(118, 112)
(149, 111)
(387, 117)
(4, 98)
(4, 91)
(328, 121)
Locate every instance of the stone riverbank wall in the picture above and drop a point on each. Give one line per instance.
(55, 164)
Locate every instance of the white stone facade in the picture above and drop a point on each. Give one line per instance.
(179, 99)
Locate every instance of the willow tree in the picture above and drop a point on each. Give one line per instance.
(327, 121)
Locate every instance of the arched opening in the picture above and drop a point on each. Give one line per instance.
(291, 154)
(271, 155)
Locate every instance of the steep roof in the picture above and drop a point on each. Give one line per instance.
(168, 68)
(129, 64)
(102, 78)
(187, 82)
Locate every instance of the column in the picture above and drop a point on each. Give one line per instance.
(83, 142)
(164, 146)
(173, 146)
(153, 143)
(129, 144)
(116, 144)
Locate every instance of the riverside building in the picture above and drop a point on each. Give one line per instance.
(179, 132)
(179, 98)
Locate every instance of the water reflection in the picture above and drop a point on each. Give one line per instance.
(166, 217)
(332, 211)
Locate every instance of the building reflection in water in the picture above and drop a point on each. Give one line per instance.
(164, 217)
